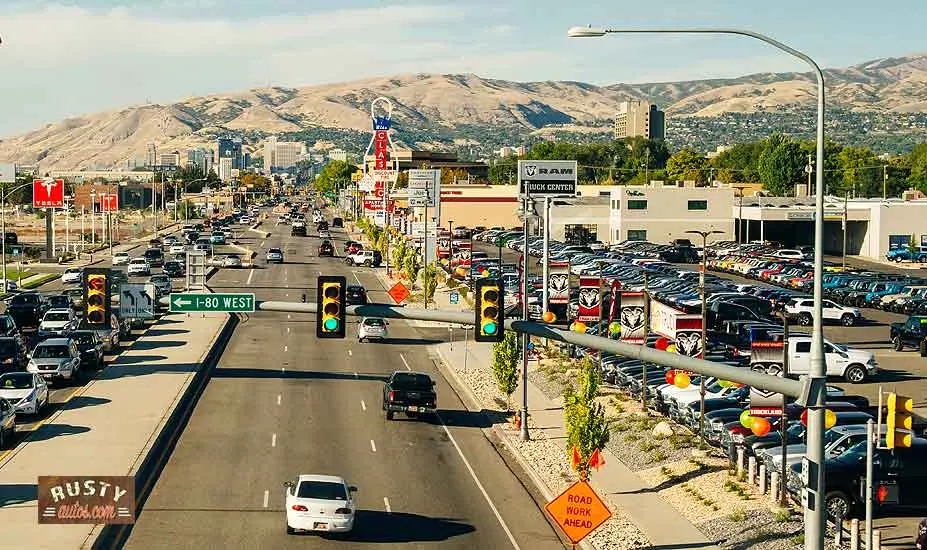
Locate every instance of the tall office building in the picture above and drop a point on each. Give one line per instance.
(200, 160)
(230, 147)
(152, 159)
(281, 155)
(170, 159)
(225, 168)
(639, 119)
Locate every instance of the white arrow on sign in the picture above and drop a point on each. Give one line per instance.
(178, 302)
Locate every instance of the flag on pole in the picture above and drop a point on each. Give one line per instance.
(596, 460)
(577, 459)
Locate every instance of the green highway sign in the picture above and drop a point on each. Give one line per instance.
(218, 303)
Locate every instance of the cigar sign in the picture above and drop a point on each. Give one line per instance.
(86, 499)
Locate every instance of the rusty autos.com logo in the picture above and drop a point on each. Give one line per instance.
(86, 499)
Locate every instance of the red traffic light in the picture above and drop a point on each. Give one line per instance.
(97, 283)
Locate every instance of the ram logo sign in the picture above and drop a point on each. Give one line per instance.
(547, 177)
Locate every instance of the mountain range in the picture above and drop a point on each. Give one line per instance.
(454, 111)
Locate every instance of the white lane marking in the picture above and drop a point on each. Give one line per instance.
(373, 446)
(287, 295)
(287, 330)
(266, 497)
(282, 369)
(249, 277)
(479, 485)
(389, 510)
(406, 363)
(262, 244)
(273, 440)
(279, 397)
(286, 348)
(357, 279)
(288, 316)
(363, 405)
(350, 353)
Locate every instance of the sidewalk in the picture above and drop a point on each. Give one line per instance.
(657, 520)
(108, 428)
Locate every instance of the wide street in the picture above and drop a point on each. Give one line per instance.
(283, 403)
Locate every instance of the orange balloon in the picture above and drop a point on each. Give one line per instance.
(760, 426)
(549, 317)
(579, 326)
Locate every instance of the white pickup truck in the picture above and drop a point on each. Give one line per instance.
(853, 365)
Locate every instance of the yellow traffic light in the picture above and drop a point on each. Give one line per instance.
(489, 311)
(96, 298)
(900, 432)
(331, 314)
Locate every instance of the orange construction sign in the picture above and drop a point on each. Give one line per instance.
(578, 511)
(399, 293)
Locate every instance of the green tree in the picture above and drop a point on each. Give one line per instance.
(586, 425)
(505, 356)
(686, 164)
(412, 266)
(336, 173)
(917, 165)
(860, 172)
(430, 281)
(738, 164)
(503, 171)
(781, 165)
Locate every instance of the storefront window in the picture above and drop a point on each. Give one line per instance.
(637, 205)
(637, 234)
(698, 205)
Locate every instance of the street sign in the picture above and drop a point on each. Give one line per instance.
(399, 293)
(196, 270)
(7, 173)
(578, 511)
(546, 177)
(455, 297)
(136, 301)
(366, 183)
(217, 303)
(424, 188)
(47, 193)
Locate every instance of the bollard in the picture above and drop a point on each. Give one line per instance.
(838, 533)
(740, 461)
(854, 534)
(751, 470)
(876, 539)
(774, 486)
(762, 480)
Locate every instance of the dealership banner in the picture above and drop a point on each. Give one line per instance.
(91, 500)
(766, 357)
(590, 299)
(558, 282)
(688, 335)
(633, 318)
(663, 319)
(443, 248)
(464, 253)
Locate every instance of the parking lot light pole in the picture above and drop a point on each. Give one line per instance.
(704, 296)
(815, 517)
(528, 213)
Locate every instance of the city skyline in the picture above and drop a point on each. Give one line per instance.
(86, 56)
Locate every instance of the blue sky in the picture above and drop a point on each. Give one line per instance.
(66, 58)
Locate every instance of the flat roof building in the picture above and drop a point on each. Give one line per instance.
(662, 213)
(639, 119)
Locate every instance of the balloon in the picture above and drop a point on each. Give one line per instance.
(579, 326)
(830, 419)
(549, 317)
(746, 420)
(682, 380)
(761, 426)
(671, 348)
(724, 383)
(662, 343)
(614, 328)
(670, 376)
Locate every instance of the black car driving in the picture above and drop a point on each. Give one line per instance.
(90, 347)
(355, 295)
(173, 268)
(13, 356)
(326, 249)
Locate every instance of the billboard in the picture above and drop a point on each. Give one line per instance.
(547, 177)
(47, 193)
(590, 299)
(109, 202)
(632, 318)
(558, 282)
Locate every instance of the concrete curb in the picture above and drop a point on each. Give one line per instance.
(154, 461)
(463, 390)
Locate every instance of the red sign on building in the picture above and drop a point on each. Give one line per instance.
(381, 149)
(109, 203)
(47, 193)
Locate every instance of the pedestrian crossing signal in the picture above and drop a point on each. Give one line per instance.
(489, 311)
(331, 315)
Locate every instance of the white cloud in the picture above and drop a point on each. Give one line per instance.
(502, 29)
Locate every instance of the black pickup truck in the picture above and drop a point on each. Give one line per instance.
(910, 333)
(27, 309)
(409, 392)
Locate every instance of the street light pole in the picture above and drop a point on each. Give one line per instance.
(528, 210)
(3, 196)
(815, 517)
(704, 297)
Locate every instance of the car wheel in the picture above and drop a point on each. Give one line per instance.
(290, 530)
(367, 263)
(838, 505)
(897, 343)
(389, 415)
(855, 374)
(848, 319)
(805, 320)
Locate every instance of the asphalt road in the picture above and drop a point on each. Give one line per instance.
(283, 402)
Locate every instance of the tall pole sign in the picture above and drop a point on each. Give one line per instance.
(48, 193)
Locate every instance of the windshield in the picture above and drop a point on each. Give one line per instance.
(374, 322)
(830, 436)
(51, 352)
(57, 316)
(16, 381)
(322, 490)
(412, 381)
(82, 338)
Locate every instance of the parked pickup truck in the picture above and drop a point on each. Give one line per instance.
(903, 254)
(910, 333)
(409, 392)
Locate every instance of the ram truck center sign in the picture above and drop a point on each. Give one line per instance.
(547, 177)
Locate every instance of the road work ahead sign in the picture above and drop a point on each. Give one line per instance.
(547, 177)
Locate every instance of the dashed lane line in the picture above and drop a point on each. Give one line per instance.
(406, 363)
(389, 510)
(363, 405)
(266, 497)
(373, 446)
(273, 440)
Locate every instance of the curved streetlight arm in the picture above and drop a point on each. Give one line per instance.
(814, 517)
(4, 193)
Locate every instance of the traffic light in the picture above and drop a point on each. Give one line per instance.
(330, 318)
(489, 311)
(96, 298)
(900, 421)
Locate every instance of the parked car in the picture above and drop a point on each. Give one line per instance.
(911, 333)
(803, 310)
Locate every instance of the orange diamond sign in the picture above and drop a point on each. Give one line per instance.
(578, 511)
(399, 293)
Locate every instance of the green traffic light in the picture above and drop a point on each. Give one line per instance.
(489, 328)
(331, 324)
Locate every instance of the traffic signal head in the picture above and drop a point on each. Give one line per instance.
(96, 298)
(900, 421)
(331, 303)
(489, 311)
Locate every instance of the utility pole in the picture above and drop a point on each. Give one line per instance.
(704, 297)
(884, 181)
(845, 214)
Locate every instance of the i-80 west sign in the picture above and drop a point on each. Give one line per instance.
(214, 303)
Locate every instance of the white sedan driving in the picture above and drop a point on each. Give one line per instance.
(138, 266)
(319, 503)
(26, 391)
(121, 258)
(177, 249)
